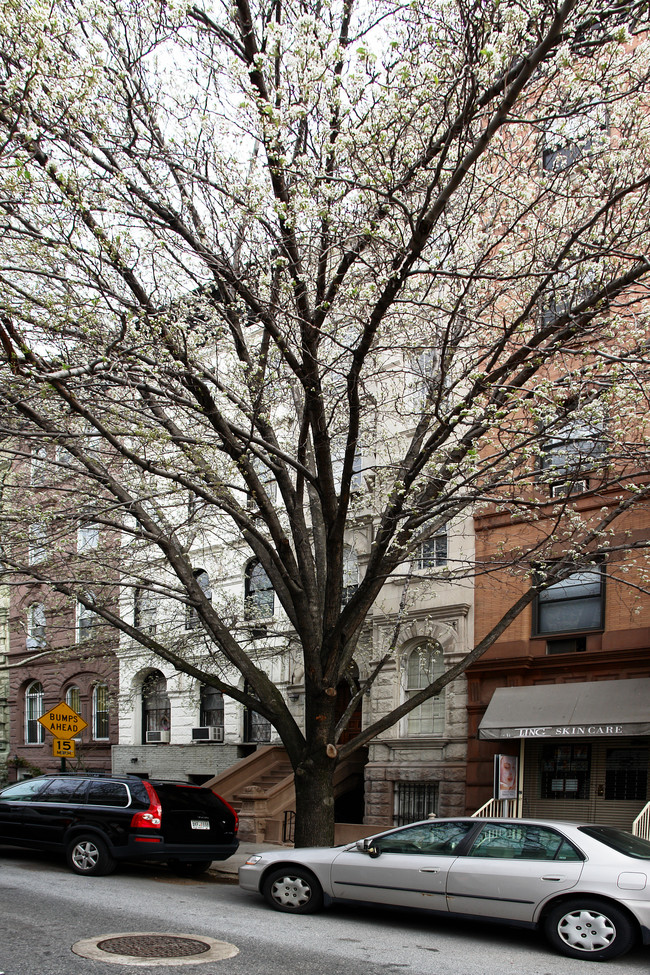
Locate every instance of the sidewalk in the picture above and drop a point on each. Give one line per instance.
(230, 866)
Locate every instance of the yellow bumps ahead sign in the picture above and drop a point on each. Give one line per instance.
(63, 722)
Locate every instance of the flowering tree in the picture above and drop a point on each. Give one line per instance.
(274, 270)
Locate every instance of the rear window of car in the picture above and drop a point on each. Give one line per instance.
(620, 840)
(108, 793)
(177, 797)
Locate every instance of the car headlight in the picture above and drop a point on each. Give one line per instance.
(255, 858)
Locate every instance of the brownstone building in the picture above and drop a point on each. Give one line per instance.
(566, 689)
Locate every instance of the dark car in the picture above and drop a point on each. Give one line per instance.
(98, 821)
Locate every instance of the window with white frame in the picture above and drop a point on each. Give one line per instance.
(258, 592)
(156, 707)
(100, 712)
(425, 664)
(86, 619)
(87, 537)
(432, 553)
(211, 707)
(145, 610)
(203, 579)
(350, 574)
(37, 544)
(73, 698)
(574, 137)
(36, 638)
(38, 465)
(571, 454)
(34, 731)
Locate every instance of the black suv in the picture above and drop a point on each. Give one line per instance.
(98, 821)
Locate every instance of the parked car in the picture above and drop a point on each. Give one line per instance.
(586, 887)
(97, 821)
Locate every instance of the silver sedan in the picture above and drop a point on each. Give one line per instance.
(586, 886)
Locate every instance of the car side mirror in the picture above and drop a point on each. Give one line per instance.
(366, 846)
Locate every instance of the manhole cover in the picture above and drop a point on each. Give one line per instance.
(153, 946)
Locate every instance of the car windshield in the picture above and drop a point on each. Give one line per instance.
(620, 840)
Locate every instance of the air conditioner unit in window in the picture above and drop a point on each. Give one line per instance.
(568, 487)
(207, 733)
(156, 736)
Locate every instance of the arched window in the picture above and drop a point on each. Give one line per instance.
(35, 627)
(424, 664)
(350, 575)
(100, 712)
(211, 707)
(156, 709)
(145, 610)
(34, 731)
(203, 579)
(73, 698)
(258, 592)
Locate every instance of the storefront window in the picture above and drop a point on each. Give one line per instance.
(626, 773)
(565, 771)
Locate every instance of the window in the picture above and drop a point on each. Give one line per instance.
(38, 466)
(423, 666)
(356, 476)
(211, 713)
(432, 553)
(415, 800)
(203, 579)
(156, 709)
(73, 699)
(65, 790)
(35, 639)
(145, 610)
(37, 544)
(565, 771)
(574, 137)
(267, 480)
(522, 842)
(100, 712)
(34, 731)
(258, 593)
(87, 538)
(438, 838)
(86, 619)
(626, 774)
(350, 575)
(571, 454)
(576, 603)
(257, 728)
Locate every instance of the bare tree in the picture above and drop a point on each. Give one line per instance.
(272, 271)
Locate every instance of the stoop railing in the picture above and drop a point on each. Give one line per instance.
(641, 825)
(503, 808)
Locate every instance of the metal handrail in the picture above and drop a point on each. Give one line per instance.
(641, 825)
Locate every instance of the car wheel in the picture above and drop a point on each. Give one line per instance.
(88, 855)
(293, 889)
(589, 929)
(189, 868)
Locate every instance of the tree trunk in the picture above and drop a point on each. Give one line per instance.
(314, 782)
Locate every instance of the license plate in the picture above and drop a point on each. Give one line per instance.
(200, 823)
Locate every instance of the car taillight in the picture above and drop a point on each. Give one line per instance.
(150, 818)
(228, 806)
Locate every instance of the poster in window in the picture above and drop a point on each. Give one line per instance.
(506, 769)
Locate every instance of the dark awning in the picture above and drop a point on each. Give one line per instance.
(604, 708)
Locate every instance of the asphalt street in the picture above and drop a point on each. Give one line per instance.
(46, 910)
